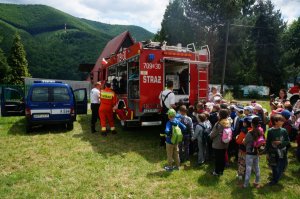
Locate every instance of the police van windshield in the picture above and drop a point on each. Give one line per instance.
(60, 94)
(42, 94)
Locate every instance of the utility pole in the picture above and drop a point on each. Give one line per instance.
(225, 57)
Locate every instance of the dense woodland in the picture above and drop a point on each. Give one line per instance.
(52, 51)
(262, 48)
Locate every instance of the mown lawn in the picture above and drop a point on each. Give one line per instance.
(54, 163)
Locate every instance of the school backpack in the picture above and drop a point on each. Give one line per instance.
(260, 144)
(226, 135)
(205, 133)
(176, 135)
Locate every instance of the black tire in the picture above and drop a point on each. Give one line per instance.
(70, 126)
(28, 127)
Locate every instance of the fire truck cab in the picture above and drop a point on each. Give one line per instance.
(139, 73)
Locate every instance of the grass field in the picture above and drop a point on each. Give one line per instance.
(54, 163)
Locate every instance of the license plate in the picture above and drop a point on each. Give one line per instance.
(60, 111)
(40, 115)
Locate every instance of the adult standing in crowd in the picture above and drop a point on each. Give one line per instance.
(95, 104)
(214, 95)
(282, 96)
(108, 104)
(217, 144)
(167, 101)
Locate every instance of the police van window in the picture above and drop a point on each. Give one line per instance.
(79, 95)
(40, 94)
(60, 94)
(12, 95)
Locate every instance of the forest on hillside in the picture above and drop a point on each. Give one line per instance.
(56, 42)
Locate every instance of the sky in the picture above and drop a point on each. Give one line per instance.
(145, 13)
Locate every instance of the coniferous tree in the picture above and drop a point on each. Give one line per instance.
(291, 57)
(18, 62)
(266, 36)
(4, 68)
(175, 27)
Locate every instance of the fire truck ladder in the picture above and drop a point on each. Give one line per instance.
(163, 46)
(203, 74)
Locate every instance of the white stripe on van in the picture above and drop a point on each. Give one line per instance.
(53, 111)
(34, 111)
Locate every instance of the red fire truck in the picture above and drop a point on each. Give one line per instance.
(139, 73)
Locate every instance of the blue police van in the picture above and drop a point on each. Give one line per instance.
(47, 102)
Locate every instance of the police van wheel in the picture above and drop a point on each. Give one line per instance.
(70, 126)
(28, 127)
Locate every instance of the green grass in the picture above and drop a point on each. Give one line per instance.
(54, 163)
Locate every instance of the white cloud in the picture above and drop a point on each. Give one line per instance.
(145, 13)
(290, 9)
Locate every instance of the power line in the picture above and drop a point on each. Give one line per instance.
(248, 26)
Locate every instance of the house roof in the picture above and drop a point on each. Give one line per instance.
(113, 46)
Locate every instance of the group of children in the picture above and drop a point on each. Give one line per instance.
(206, 123)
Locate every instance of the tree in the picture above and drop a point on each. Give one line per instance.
(175, 26)
(291, 57)
(18, 62)
(266, 37)
(209, 19)
(4, 68)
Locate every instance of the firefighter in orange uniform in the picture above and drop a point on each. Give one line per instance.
(108, 104)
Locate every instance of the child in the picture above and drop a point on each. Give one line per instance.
(252, 156)
(199, 109)
(217, 144)
(198, 134)
(298, 145)
(237, 126)
(184, 146)
(276, 148)
(207, 141)
(242, 149)
(248, 110)
(172, 149)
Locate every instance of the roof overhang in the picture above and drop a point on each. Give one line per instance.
(86, 67)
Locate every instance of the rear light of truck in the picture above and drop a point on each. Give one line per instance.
(72, 111)
(27, 112)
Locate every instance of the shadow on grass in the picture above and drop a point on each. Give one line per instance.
(18, 128)
(207, 179)
(159, 174)
(144, 141)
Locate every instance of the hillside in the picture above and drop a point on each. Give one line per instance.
(53, 52)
